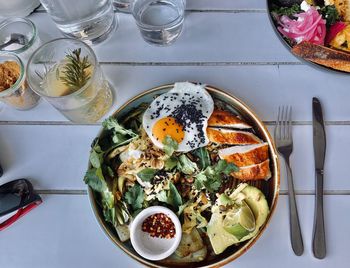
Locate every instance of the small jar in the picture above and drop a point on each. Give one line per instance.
(24, 27)
(18, 95)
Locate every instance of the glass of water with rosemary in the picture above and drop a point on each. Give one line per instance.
(67, 74)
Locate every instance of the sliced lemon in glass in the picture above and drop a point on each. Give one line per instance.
(240, 221)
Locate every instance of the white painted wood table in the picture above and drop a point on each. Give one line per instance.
(225, 43)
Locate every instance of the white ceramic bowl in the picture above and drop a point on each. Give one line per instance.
(154, 248)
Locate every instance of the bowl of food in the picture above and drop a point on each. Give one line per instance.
(315, 31)
(192, 149)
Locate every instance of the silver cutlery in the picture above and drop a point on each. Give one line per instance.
(284, 143)
(15, 38)
(319, 140)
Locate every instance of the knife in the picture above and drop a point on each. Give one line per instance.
(319, 140)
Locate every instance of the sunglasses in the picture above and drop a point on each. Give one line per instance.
(17, 195)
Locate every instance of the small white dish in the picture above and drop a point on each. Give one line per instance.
(154, 248)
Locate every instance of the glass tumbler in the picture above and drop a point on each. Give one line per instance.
(22, 27)
(89, 20)
(160, 21)
(67, 74)
(17, 95)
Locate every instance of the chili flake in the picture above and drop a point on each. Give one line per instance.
(159, 225)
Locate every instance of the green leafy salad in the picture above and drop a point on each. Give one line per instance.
(128, 173)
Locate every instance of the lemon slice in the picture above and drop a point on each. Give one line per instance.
(240, 222)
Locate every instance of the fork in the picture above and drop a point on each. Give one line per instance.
(284, 144)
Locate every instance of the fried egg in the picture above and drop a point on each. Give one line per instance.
(182, 113)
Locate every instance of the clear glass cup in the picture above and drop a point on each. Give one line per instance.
(17, 8)
(123, 5)
(160, 21)
(19, 95)
(81, 94)
(23, 27)
(89, 20)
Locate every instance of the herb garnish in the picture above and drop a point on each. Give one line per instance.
(74, 71)
(287, 11)
(170, 145)
(135, 196)
(211, 178)
(330, 14)
(147, 174)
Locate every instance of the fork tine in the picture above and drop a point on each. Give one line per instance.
(283, 123)
(290, 123)
(278, 124)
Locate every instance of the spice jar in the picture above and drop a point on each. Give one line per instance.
(25, 28)
(14, 89)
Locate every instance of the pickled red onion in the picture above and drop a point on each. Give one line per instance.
(309, 26)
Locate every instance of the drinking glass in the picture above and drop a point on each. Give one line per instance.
(88, 20)
(81, 94)
(160, 21)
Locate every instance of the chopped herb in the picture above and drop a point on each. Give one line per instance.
(203, 156)
(288, 11)
(224, 167)
(171, 196)
(170, 145)
(170, 163)
(186, 166)
(211, 177)
(330, 14)
(147, 174)
(135, 197)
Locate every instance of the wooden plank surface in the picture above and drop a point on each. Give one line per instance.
(55, 157)
(62, 232)
(262, 87)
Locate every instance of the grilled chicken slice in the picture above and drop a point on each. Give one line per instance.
(245, 155)
(254, 172)
(226, 119)
(229, 136)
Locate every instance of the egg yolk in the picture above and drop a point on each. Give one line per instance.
(168, 126)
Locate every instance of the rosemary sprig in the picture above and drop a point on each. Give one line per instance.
(74, 71)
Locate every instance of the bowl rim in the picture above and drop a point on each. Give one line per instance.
(274, 158)
(288, 47)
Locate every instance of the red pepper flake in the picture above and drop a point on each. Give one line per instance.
(159, 225)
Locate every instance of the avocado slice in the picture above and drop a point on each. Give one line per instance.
(219, 238)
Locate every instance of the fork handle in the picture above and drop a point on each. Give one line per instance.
(295, 232)
(319, 240)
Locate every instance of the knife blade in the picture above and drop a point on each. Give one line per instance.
(319, 142)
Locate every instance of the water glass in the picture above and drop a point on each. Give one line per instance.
(17, 8)
(160, 21)
(67, 74)
(18, 95)
(89, 20)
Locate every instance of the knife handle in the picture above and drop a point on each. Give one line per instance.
(319, 239)
(295, 231)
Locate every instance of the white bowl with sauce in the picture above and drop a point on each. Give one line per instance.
(154, 248)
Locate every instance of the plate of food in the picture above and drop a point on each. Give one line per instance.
(316, 31)
(183, 175)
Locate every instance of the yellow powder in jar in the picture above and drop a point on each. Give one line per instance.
(23, 97)
(9, 73)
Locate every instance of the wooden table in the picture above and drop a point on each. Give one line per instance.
(226, 43)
